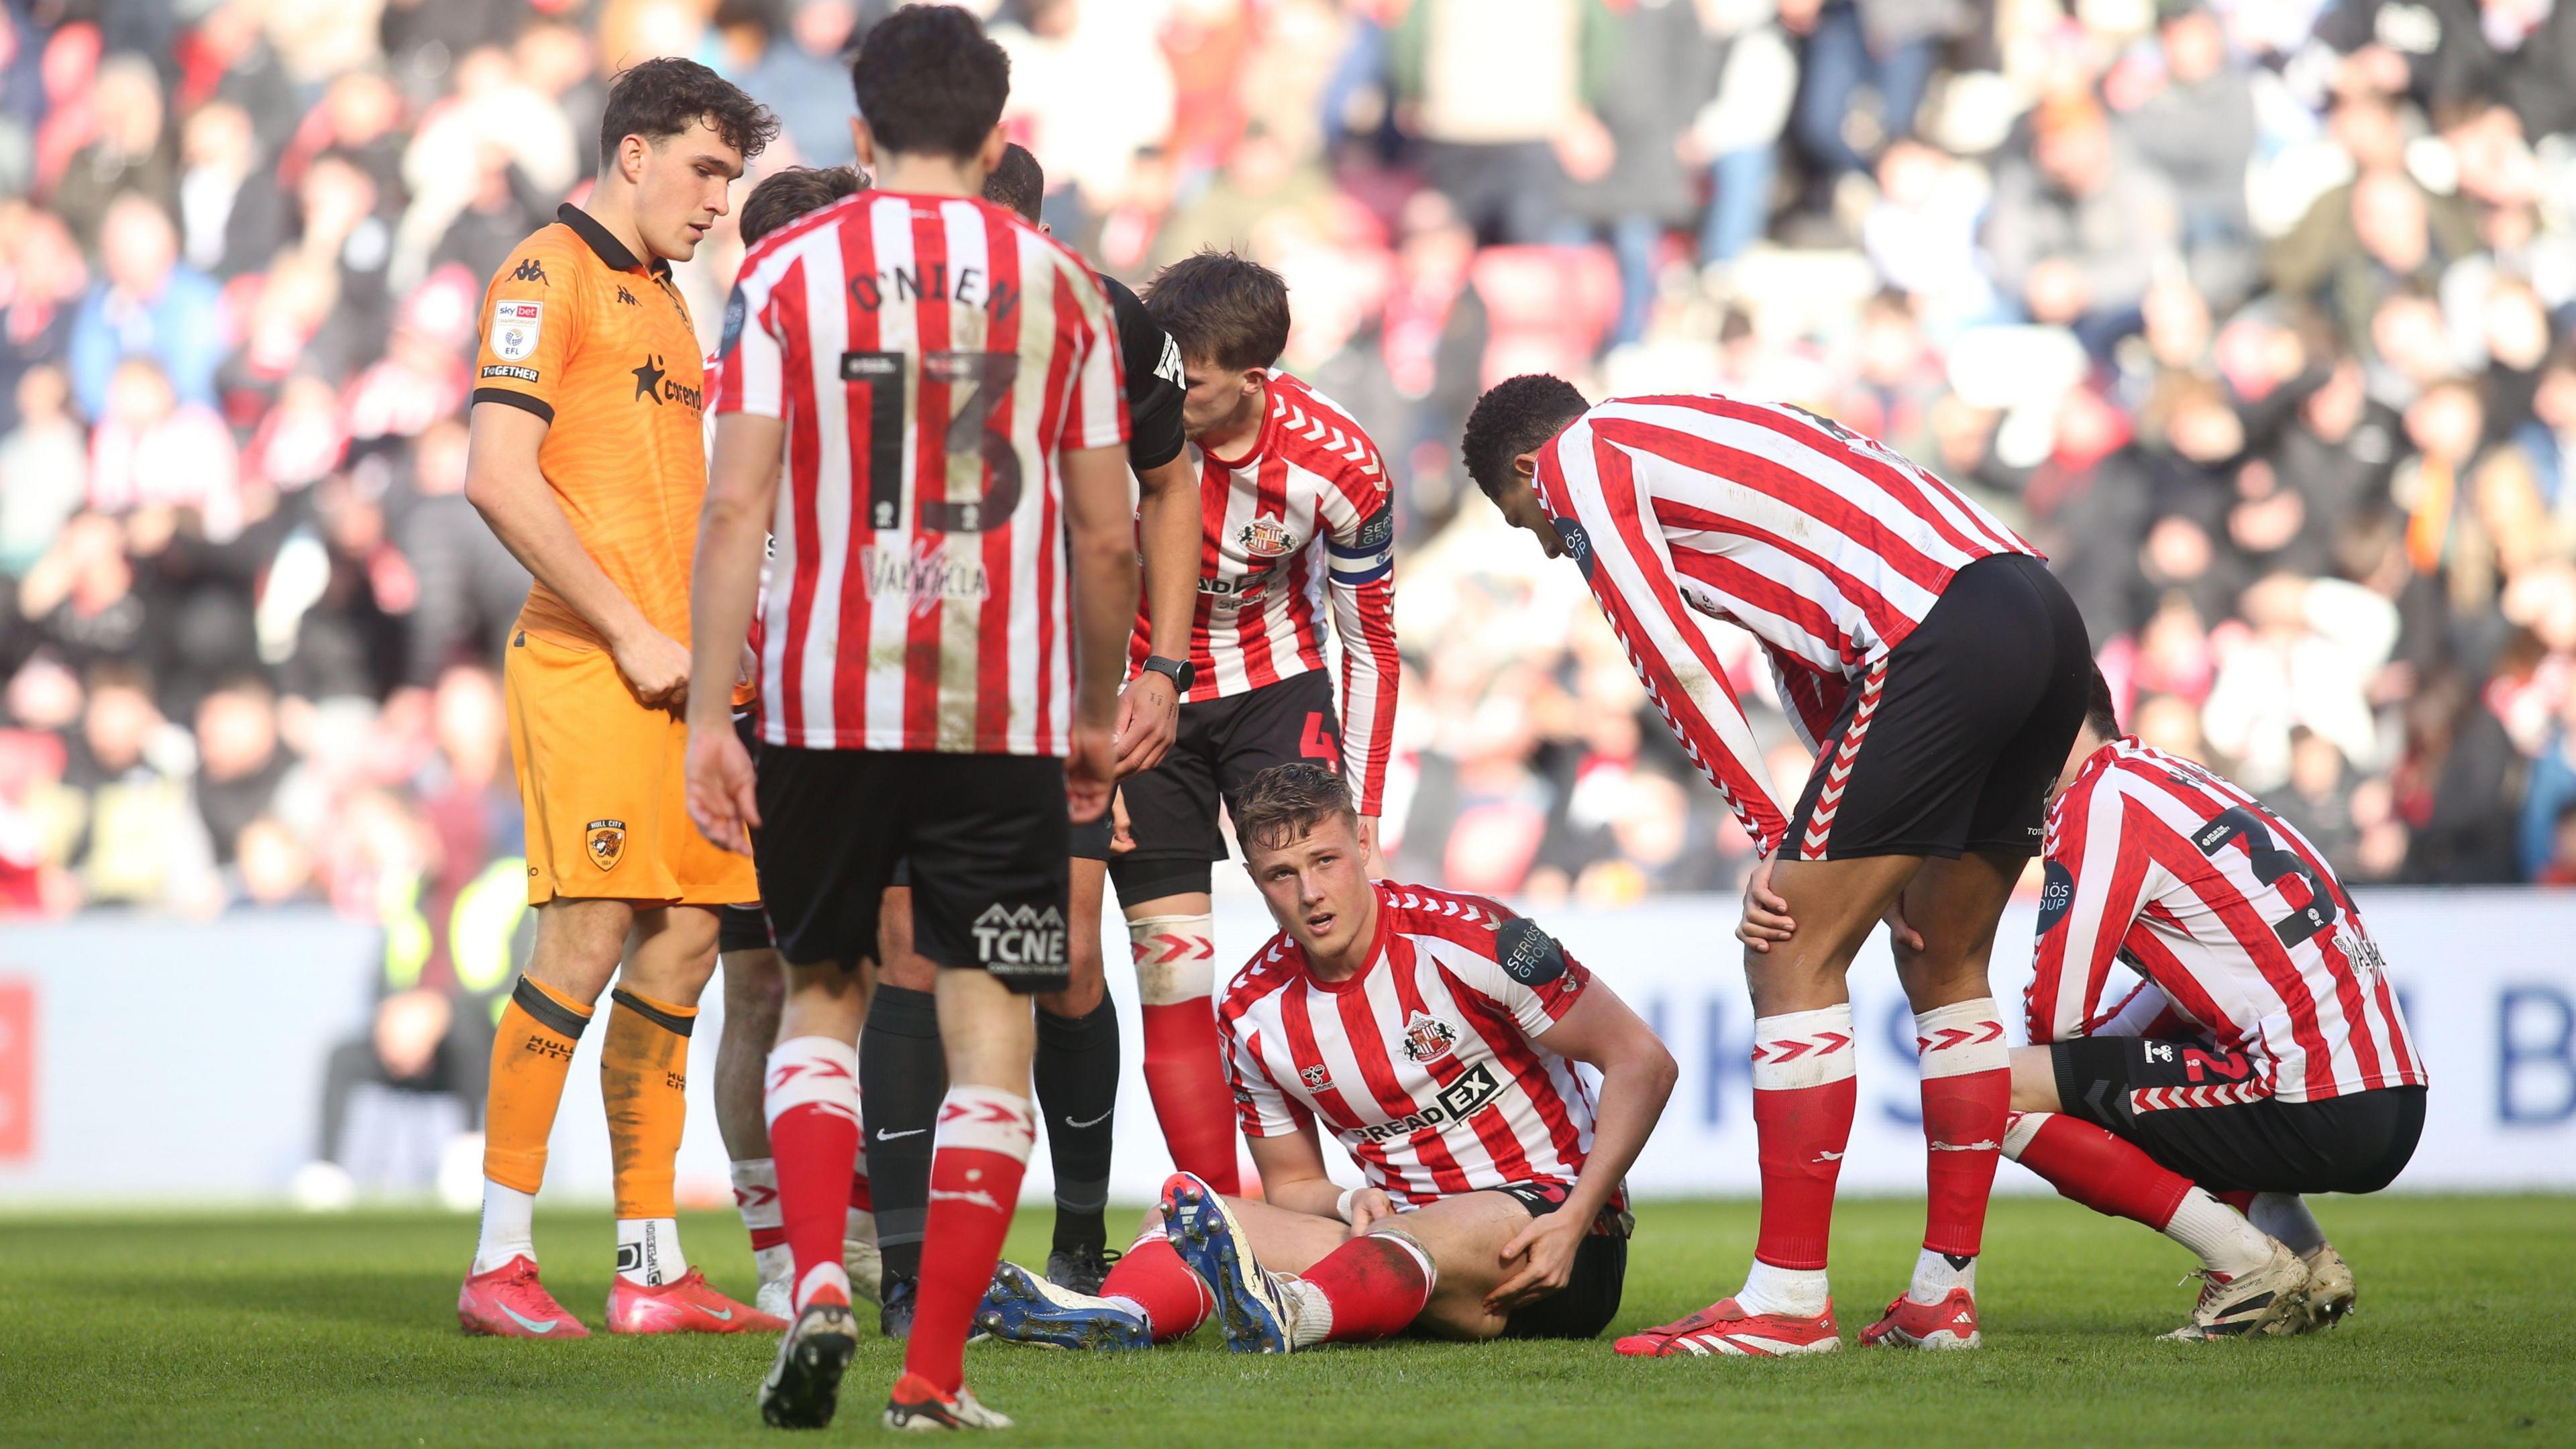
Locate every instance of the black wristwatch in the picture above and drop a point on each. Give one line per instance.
(1181, 672)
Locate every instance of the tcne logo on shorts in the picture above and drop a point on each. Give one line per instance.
(1020, 939)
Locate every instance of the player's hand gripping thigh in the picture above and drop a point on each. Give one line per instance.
(1953, 906)
(1465, 1236)
(1836, 903)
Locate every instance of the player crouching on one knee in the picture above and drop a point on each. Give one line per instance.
(1436, 1035)
(2264, 1056)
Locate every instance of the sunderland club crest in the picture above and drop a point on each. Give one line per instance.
(1266, 538)
(1427, 1038)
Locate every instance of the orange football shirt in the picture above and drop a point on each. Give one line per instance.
(581, 333)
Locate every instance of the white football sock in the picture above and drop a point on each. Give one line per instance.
(648, 1251)
(1935, 1275)
(1310, 1313)
(509, 1227)
(2226, 1242)
(1792, 1292)
(1122, 1301)
(755, 1196)
(2285, 1216)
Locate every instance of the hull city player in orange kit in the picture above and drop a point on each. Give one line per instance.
(587, 460)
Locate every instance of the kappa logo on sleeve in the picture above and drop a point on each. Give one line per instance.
(516, 326)
(530, 270)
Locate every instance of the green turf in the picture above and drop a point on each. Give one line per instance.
(274, 1329)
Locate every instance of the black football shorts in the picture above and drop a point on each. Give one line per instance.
(1590, 1297)
(1172, 808)
(985, 835)
(2201, 1111)
(1951, 743)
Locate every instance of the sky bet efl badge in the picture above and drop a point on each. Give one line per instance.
(515, 326)
(606, 842)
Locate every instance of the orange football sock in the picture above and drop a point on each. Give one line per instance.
(643, 1072)
(531, 1053)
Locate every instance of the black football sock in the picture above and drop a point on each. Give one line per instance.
(1077, 1082)
(903, 1073)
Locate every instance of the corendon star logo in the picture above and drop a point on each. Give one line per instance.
(648, 380)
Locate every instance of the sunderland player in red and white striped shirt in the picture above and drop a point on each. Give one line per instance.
(1437, 1037)
(954, 578)
(2264, 1056)
(1939, 671)
(1298, 530)
(753, 988)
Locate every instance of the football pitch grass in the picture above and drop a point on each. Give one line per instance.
(273, 1329)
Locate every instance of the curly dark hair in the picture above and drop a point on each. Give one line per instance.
(658, 99)
(930, 82)
(1284, 802)
(1513, 417)
(2101, 713)
(1222, 309)
(1018, 183)
(784, 195)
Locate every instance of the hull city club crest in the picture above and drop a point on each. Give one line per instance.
(605, 843)
(1427, 1038)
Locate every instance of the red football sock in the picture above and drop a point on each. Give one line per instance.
(1184, 1058)
(983, 1148)
(1374, 1285)
(1967, 1092)
(861, 1200)
(812, 1098)
(1153, 1277)
(2093, 1167)
(1803, 1100)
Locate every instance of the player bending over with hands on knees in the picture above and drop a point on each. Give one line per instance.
(1437, 1036)
(1925, 652)
(2264, 1056)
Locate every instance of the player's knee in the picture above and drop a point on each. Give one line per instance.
(1459, 1313)
(2034, 1080)
(1082, 994)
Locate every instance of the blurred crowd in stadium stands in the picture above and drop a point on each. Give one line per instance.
(2256, 317)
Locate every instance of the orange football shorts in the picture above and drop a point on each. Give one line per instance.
(602, 780)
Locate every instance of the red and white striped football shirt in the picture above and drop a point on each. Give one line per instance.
(1826, 545)
(1305, 514)
(931, 358)
(1429, 1064)
(2153, 861)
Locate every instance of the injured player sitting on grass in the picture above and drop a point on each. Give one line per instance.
(1437, 1035)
